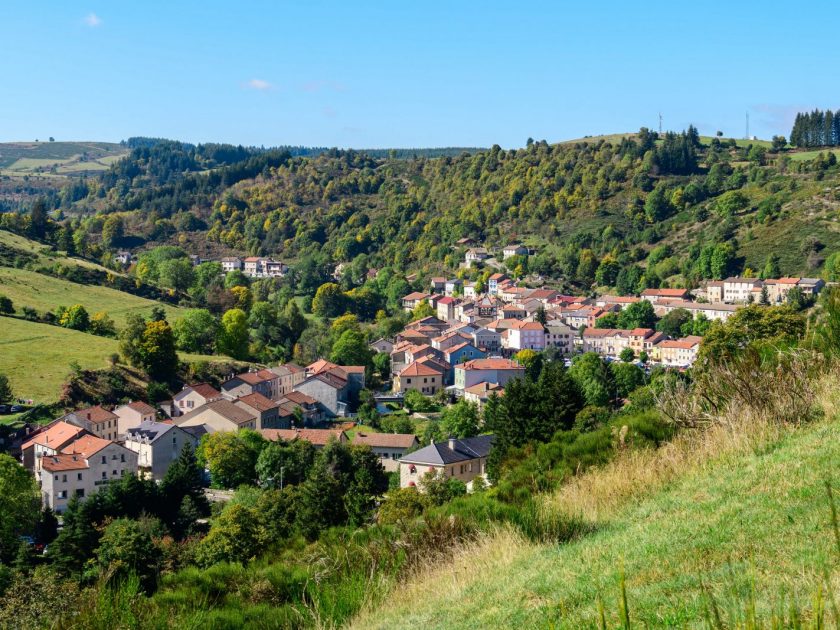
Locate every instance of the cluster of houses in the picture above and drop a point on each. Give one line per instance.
(470, 330)
(252, 266)
(86, 449)
(255, 266)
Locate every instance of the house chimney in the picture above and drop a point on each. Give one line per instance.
(451, 444)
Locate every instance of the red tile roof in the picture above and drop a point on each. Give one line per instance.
(55, 436)
(419, 369)
(87, 446)
(141, 407)
(257, 401)
(299, 398)
(96, 415)
(62, 463)
(491, 364)
(666, 292)
(318, 437)
(386, 440)
(205, 390)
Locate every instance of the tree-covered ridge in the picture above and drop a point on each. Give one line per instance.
(631, 212)
(816, 129)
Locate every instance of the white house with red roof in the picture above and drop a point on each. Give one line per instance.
(82, 468)
(48, 441)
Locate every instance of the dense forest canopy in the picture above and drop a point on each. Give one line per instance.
(641, 211)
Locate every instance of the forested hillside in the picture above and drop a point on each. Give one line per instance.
(631, 213)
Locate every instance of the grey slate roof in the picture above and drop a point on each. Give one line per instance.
(440, 453)
(150, 431)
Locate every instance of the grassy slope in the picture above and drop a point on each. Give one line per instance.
(45, 293)
(760, 516)
(29, 158)
(45, 256)
(36, 357)
(617, 137)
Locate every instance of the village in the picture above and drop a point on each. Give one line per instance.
(468, 348)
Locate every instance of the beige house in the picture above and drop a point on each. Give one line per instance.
(219, 415)
(132, 415)
(738, 290)
(479, 394)
(265, 382)
(267, 412)
(97, 420)
(678, 352)
(192, 397)
(420, 376)
(463, 459)
(157, 445)
(561, 336)
(412, 300)
(290, 376)
(81, 469)
(390, 447)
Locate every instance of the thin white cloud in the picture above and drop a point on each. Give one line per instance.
(320, 86)
(93, 20)
(329, 112)
(258, 84)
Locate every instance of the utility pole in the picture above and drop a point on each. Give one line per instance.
(660, 123)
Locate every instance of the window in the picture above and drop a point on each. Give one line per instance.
(122, 457)
(122, 473)
(79, 476)
(104, 475)
(80, 492)
(63, 478)
(114, 472)
(62, 494)
(104, 460)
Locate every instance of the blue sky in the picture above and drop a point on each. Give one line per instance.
(408, 74)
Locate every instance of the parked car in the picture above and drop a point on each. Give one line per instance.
(4, 408)
(16, 409)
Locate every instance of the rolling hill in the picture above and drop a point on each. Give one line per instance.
(36, 357)
(45, 293)
(57, 159)
(745, 535)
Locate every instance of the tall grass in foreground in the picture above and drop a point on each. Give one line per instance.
(593, 499)
(737, 609)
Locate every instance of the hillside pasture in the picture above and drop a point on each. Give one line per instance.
(46, 293)
(803, 156)
(57, 158)
(37, 357)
